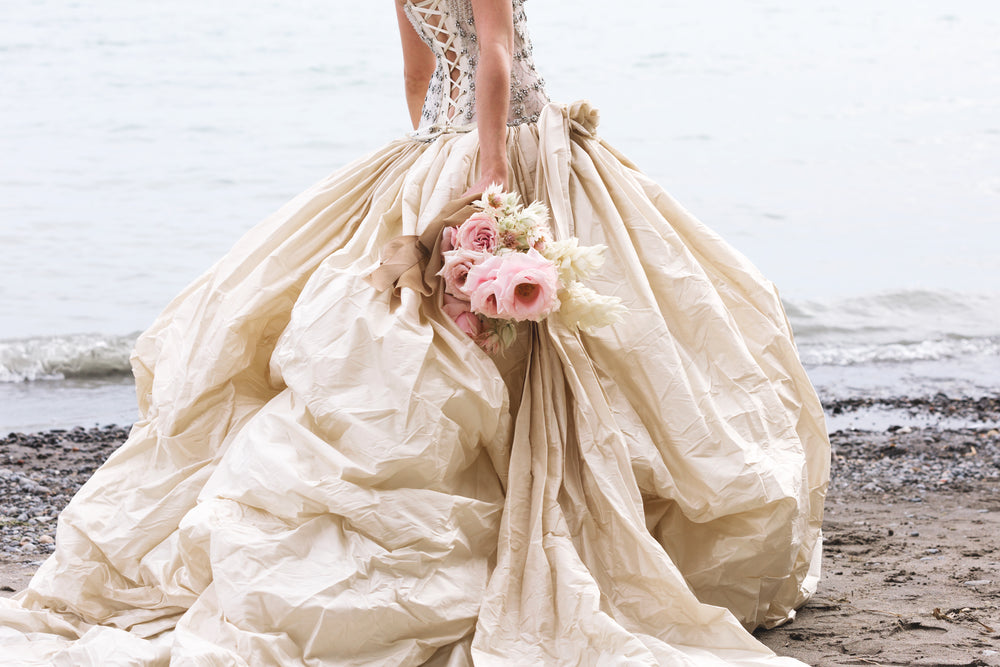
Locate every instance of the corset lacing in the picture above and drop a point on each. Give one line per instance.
(448, 28)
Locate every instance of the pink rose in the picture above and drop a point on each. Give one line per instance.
(529, 286)
(518, 286)
(453, 307)
(447, 239)
(457, 264)
(478, 233)
(480, 285)
(459, 312)
(470, 323)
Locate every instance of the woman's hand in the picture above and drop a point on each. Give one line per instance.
(488, 178)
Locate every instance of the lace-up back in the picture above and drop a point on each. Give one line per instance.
(449, 29)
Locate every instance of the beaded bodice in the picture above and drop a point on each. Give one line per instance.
(449, 29)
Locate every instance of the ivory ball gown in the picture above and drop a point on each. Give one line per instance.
(326, 474)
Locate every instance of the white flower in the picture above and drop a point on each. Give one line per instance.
(511, 203)
(494, 198)
(535, 215)
(498, 202)
(585, 309)
(532, 223)
(575, 262)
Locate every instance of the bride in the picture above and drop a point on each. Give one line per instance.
(327, 473)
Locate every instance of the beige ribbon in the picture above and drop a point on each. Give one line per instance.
(583, 117)
(413, 261)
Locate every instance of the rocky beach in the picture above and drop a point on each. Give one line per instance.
(911, 559)
(911, 567)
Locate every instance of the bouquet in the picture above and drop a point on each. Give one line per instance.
(500, 266)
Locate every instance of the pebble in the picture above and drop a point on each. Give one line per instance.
(39, 473)
(923, 459)
(984, 409)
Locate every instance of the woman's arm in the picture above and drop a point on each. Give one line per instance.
(495, 34)
(418, 65)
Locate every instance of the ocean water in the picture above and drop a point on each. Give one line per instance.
(851, 150)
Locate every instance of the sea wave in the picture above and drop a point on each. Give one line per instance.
(896, 327)
(925, 350)
(65, 357)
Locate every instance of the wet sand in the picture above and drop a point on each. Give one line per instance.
(904, 582)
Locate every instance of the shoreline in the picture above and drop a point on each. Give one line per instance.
(911, 563)
(870, 396)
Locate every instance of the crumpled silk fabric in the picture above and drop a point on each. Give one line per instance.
(328, 474)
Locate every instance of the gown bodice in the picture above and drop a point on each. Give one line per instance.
(449, 29)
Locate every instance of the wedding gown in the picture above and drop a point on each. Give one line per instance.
(328, 474)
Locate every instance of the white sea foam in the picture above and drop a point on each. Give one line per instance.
(65, 357)
(927, 350)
